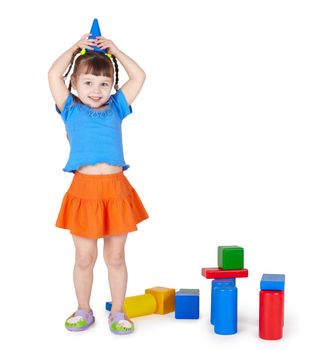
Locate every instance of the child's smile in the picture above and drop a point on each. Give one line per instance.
(95, 99)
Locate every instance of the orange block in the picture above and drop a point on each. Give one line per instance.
(165, 298)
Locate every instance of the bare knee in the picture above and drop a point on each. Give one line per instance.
(114, 260)
(85, 261)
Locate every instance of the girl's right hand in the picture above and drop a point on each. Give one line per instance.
(84, 43)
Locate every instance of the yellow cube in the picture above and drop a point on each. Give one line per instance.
(165, 298)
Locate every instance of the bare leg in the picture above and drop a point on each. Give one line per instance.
(114, 256)
(86, 255)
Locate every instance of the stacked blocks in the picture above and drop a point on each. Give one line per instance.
(224, 291)
(214, 272)
(225, 304)
(271, 310)
(272, 282)
(220, 282)
(230, 257)
(187, 304)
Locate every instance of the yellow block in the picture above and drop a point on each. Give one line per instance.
(140, 305)
(165, 298)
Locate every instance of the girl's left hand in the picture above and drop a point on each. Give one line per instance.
(104, 43)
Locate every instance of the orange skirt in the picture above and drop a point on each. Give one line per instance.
(98, 205)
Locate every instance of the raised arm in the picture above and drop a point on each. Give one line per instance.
(135, 73)
(57, 85)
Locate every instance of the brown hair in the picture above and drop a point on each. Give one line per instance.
(93, 62)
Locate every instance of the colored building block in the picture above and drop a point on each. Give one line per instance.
(188, 291)
(219, 282)
(187, 304)
(271, 314)
(165, 299)
(138, 305)
(225, 321)
(214, 272)
(230, 257)
(272, 282)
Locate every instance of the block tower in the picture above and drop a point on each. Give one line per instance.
(271, 311)
(230, 260)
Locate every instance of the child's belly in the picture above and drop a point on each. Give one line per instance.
(99, 169)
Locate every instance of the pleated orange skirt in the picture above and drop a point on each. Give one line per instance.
(99, 205)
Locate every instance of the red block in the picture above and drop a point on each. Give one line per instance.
(215, 272)
(271, 315)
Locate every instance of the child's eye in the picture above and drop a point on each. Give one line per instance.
(104, 84)
(88, 83)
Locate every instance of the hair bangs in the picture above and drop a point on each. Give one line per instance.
(97, 65)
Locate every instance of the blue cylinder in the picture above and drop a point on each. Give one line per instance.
(225, 321)
(219, 282)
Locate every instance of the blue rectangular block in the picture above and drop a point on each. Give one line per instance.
(188, 292)
(272, 282)
(187, 304)
(108, 305)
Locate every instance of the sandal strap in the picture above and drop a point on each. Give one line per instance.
(85, 314)
(117, 316)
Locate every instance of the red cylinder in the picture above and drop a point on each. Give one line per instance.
(271, 315)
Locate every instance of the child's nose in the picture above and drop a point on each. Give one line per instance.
(97, 89)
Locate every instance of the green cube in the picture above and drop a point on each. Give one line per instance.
(230, 257)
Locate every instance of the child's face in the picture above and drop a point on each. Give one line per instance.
(93, 90)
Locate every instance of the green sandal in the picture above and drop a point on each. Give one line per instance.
(80, 320)
(118, 324)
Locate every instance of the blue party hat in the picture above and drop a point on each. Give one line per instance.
(95, 31)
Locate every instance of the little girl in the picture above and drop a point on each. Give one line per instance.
(100, 202)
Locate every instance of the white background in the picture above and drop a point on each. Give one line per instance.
(224, 148)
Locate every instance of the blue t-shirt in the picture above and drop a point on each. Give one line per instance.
(95, 136)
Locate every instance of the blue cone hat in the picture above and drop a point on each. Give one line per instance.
(95, 31)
